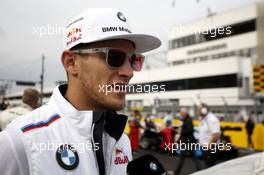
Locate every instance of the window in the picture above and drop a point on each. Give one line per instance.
(235, 29)
(220, 81)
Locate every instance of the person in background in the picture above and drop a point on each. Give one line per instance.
(149, 123)
(187, 138)
(250, 125)
(168, 118)
(134, 125)
(29, 102)
(167, 136)
(4, 104)
(209, 133)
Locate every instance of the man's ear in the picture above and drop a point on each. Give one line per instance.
(68, 60)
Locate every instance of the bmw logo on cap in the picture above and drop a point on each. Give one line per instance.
(67, 157)
(121, 16)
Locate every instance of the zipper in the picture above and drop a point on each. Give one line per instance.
(97, 166)
(93, 136)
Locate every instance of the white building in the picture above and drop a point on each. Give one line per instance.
(210, 60)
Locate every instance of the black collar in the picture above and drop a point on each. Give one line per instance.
(114, 124)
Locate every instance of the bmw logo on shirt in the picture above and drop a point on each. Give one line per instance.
(67, 157)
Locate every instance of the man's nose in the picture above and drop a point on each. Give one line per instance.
(126, 70)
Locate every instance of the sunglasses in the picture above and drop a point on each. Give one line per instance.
(115, 58)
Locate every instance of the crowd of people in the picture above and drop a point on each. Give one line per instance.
(147, 133)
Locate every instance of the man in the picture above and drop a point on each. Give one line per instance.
(4, 104)
(78, 130)
(186, 138)
(168, 118)
(250, 125)
(134, 124)
(29, 102)
(209, 134)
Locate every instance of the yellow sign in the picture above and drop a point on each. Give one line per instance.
(258, 77)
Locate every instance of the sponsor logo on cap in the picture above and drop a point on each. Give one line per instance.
(115, 29)
(121, 16)
(67, 157)
(74, 35)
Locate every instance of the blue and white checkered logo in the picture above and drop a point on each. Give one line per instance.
(67, 157)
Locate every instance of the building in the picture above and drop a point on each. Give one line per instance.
(209, 60)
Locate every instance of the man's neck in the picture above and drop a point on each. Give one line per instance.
(78, 99)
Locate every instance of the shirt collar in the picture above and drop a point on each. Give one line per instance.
(114, 124)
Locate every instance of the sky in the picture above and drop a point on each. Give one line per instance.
(22, 44)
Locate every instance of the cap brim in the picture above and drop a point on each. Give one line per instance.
(143, 43)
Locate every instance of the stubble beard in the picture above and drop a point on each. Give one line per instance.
(100, 100)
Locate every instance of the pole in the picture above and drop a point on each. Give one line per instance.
(42, 79)
(225, 107)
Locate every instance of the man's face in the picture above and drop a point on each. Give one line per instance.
(199, 111)
(183, 113)
(95, 75)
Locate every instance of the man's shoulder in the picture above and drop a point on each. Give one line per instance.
(16, 111)
(34, 118)
(212, 118)
(189, 119)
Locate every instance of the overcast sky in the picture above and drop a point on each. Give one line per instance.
(21, 45)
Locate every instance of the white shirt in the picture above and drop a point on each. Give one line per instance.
(208, 126)
(168, 117)
(8, 115)
(58, 139)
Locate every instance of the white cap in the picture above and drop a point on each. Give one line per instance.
(100, 24)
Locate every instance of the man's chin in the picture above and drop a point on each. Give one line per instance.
(114, 101)
(117, 104)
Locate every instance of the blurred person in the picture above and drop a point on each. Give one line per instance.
(149, 123)
(167, 136)
(168, 118)
(134, 125)
(79, 130)
(4, 104)
(250, 125)
(150, 138)
(186, 136)
(209, 133)
(29, 102)
(138, 115)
